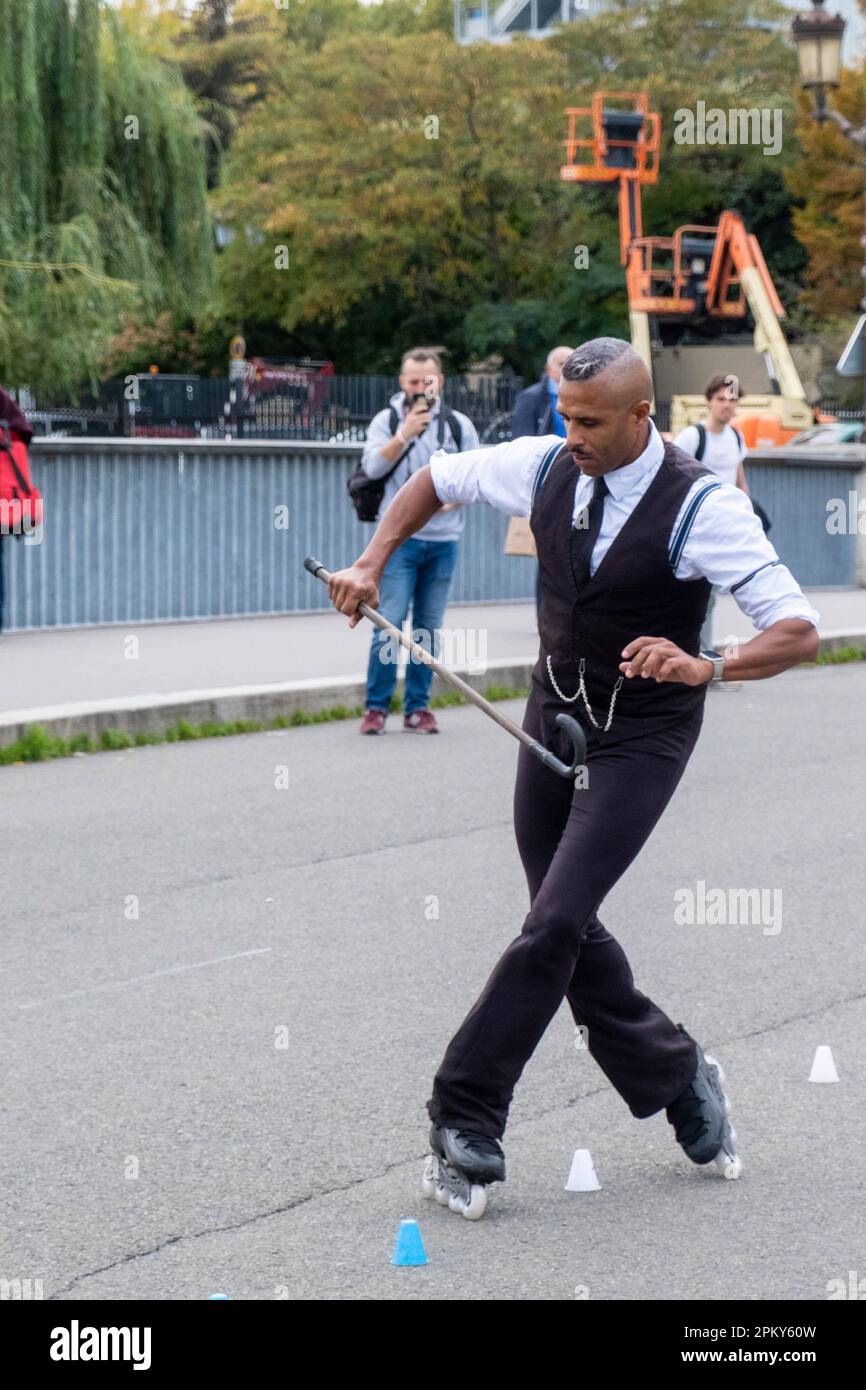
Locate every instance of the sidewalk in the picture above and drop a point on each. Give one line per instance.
(147, 677)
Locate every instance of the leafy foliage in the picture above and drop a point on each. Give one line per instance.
(413, 182)
(97, 217)
(468, 238)
(828, 181)
(222, 56)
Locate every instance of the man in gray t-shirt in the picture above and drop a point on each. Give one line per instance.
(419, 572)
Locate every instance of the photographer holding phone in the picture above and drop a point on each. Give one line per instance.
(407, 433)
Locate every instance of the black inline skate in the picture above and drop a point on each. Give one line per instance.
(701, 1117)
(460, 1168)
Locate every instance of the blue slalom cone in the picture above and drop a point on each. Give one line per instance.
(409, 1247)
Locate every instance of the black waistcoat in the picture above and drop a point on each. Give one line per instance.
(633, 593)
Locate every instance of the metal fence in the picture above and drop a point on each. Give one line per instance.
(337, 409)
(140, 532)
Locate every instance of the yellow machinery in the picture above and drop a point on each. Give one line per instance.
(699, 273)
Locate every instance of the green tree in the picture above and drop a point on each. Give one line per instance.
(416, 190)
(468, 239)
(309, 24)
(400, 17)
(828, 182)
(222, 56)
(31, 131)
(93, 223)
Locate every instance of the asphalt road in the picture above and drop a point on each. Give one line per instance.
(223, 1000)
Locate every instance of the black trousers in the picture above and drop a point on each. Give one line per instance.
(575, 844)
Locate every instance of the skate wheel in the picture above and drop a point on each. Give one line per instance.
(442, 1195)
(475, 1208)
(428, 1181)
(455, 1203)
(729, 1165)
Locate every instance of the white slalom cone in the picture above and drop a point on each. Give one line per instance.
(582, 1177)
(823, 1067)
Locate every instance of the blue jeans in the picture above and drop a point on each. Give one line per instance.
(418, 573)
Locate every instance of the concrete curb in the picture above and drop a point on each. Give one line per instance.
(153, 714)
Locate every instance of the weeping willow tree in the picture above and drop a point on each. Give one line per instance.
(102, 191)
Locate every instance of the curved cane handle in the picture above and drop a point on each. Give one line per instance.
(578, 740)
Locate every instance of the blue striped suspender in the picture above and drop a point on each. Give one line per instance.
(682, 532)
(543, 470)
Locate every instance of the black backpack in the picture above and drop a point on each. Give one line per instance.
(367, 493)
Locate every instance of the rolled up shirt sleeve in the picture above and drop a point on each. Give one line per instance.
(726, 544)
(502, 476)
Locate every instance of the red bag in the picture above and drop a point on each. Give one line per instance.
(20, 501)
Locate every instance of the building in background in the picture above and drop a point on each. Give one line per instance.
(498, 21)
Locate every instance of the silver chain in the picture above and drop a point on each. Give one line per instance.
(581, 690)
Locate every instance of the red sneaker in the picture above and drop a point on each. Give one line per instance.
(373, 722)
(421, 721)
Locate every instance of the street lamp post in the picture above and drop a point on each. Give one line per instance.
(818, 37)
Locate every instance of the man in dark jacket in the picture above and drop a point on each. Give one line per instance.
(535, 412)
(20, 428)
(535, 408)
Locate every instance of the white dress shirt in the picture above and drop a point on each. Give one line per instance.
(725, 543)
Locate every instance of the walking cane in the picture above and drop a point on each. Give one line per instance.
(565, 721)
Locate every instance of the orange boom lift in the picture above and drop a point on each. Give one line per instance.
(698, 274)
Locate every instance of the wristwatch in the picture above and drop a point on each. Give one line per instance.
(718, 663)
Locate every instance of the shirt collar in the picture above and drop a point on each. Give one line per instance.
(621, 481)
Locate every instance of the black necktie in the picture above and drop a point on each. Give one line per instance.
(584, 537)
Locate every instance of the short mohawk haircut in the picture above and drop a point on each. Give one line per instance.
(594, 357)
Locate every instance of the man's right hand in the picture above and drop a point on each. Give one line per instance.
(417, 420)
(347, 588)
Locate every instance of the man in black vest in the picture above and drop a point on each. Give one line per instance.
(630, 532)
